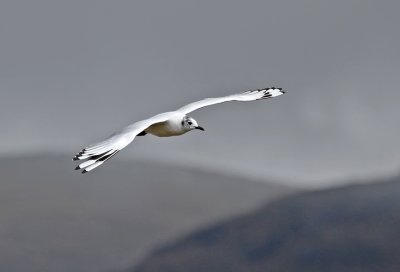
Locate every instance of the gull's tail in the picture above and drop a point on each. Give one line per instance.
(95, 155)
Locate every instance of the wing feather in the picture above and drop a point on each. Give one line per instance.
(245, 96)
(99, 153)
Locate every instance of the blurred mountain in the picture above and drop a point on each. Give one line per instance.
(55, 219)
(355, 228)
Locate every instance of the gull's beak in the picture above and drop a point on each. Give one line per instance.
(200, 128)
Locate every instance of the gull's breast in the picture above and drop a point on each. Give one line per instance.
(165, 129)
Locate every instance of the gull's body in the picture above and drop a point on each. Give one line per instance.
(171, 127)
(166, 124)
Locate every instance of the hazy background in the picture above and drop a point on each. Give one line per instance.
(72, 72)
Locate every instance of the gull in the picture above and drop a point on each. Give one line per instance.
(166, 124)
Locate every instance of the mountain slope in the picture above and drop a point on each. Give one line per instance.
(55, 219)
(355, 228)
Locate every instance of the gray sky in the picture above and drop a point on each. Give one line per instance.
(72, 72)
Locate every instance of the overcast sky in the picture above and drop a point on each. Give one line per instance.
(72, 72)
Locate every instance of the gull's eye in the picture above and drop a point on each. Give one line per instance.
(190, 123)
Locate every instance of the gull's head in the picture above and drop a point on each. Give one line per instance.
(189, 123)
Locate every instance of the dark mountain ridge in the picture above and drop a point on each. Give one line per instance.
(351, 229)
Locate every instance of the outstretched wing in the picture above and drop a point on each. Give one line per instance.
(245, 96)
(97, 154)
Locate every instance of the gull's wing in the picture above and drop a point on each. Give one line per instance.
(245, 96)
(98, 153)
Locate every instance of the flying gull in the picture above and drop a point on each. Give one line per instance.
(166, 124)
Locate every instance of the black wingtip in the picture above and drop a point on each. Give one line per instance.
(77, 168)
(84, 171)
